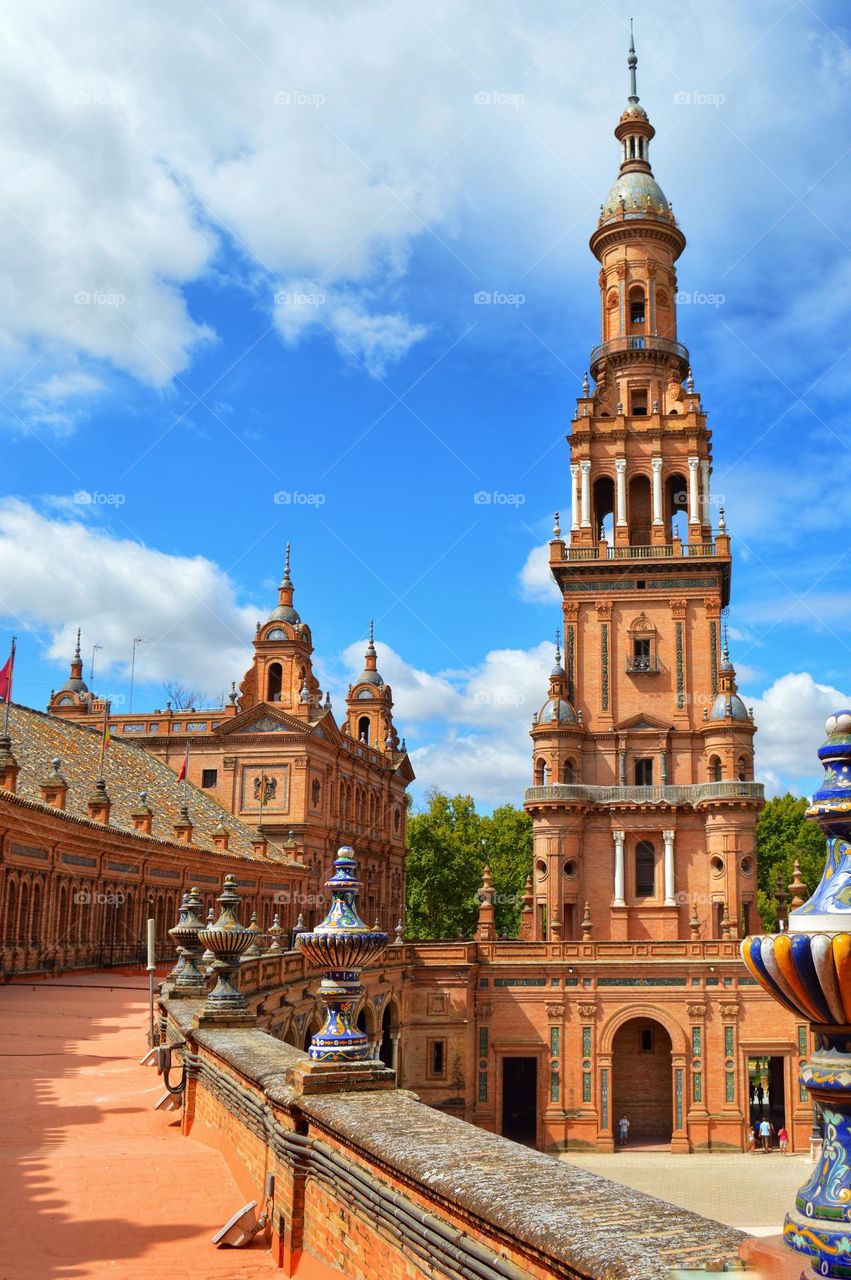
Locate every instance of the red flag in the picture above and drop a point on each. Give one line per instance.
(6, 678)
(181, 777)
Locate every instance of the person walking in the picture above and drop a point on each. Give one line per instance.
(751, 1139)
(765, 1134)
(783, 1139)
(623, 1130)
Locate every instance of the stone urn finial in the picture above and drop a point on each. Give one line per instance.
(187, 977)
(341, 945)
(275, 932)
(226, 938)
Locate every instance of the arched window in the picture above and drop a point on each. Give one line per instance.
(540, 773)
(637, 309)
(743, 770)
(645, 869)
(569, 771)
(363, 729)
(715, 772)
(274, 677)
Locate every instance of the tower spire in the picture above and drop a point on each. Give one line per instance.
(632, 63)
(287, 581)
(558, 646)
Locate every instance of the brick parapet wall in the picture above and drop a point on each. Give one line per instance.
(380, 1184)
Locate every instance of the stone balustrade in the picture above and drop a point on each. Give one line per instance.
(380, 1184)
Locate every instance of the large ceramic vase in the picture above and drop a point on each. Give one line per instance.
(808, 970)
(341, 945)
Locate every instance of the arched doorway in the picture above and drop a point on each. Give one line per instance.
(642, 1082)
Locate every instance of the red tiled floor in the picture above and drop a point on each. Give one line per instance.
(95, 1182)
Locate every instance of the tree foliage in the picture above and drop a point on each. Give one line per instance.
(783, 835)
(450, 842)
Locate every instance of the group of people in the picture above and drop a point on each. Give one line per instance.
(762, 1134)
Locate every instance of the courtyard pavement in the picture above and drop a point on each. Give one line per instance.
(751, 1192)
(95, 1182)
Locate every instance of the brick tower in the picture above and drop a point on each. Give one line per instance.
(643, 802)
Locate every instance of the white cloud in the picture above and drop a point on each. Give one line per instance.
(375, 339)
(536, 582)
(245, 140)
(468, 730)
(60, 573)
(790, 717)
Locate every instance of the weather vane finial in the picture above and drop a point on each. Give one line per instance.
(632, 63)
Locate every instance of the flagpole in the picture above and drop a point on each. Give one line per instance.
(9, 695)
(106, 709)
(185, 772)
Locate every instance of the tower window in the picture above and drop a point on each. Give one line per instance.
(645, 869)
(646, 1040)
(209, 777)
(363, 729)
(638, 400)
(437, 1058)
(636, 311)
(644, 773)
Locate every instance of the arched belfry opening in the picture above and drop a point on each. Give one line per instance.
(642, 1082)
(274, 679)
(604, 508)
(676, 506)
(640, 515)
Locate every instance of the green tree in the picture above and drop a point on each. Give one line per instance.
(444, 868)
(507, 849)
(783, 835)
(449, 845)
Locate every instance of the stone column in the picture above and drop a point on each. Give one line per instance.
(619, 877)
(693, 493)
(704, 491)
(620, 468)
(668, 837)
(658, 518)
(574, 496)
(585, 468)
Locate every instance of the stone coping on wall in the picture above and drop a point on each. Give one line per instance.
(588, 1225)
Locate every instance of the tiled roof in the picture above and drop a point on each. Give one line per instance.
(37, 738)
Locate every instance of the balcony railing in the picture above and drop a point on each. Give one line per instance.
(642, 667)
(699, 793)
(639, 342)
(661, 551)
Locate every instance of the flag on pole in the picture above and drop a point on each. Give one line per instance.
(6, 676)
(104, 737)
(6, 686)
(181, 777)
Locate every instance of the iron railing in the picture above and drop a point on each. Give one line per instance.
(640, 342)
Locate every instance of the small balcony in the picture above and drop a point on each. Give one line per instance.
(639, 666)
(657, 551)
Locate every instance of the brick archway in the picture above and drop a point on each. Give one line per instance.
(642, 1080)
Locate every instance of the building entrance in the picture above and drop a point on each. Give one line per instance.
(642, 1082)
(767, 1091)
(520, 1099)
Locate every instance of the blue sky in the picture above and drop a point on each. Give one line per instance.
(239, 257)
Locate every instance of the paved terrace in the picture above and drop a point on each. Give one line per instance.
(95, 1182)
